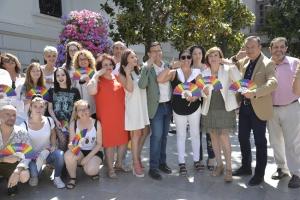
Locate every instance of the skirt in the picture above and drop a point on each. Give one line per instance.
(217, 117)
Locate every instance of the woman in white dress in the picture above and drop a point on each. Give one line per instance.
(136, 111)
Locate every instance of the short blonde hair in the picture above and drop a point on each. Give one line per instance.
(50, 49)
(213, 50)
(87, 54)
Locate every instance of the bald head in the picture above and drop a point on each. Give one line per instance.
(8, 114)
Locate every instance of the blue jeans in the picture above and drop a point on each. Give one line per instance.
(55, 158)
(159, 130)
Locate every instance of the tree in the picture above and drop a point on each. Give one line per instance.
(210, 23)
(140, 21)
(282, 19)
(183, 22)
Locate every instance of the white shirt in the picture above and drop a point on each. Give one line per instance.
(164, 88)
(116, 70)
(40, 139)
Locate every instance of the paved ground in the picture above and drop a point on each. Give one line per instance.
(198, 185)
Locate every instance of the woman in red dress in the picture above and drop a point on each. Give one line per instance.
(110, 111)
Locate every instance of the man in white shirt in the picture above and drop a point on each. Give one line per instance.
(118, 48)
(12, 167)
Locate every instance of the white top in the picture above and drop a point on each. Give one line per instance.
(136, 109)
(40, 139)
(116, 70)
(5, 80)
(227, 74)
(90, 139)
(16, 101)
(48, 77)
(164, 88)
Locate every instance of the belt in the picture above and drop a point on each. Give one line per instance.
(246, 102)
(165, 103)
(286, 104)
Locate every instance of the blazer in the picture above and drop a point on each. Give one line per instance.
(264, 77)
(148, 80)
(227, 74)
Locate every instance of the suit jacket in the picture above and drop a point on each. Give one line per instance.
(148, 80)
(264, 77)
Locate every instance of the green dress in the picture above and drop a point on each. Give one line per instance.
(217, 117)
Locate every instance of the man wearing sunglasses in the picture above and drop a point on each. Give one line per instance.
(159, 109)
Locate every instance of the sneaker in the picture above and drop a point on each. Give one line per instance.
(164, 168)
(33, 181)
(154, 173)
(58, 183)
(294, 182)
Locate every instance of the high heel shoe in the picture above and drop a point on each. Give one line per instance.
(218, 171)
(228, 175)
(137, 170)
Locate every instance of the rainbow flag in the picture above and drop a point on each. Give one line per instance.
(17, 149)
(7, 90)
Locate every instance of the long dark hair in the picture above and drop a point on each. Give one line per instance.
(192, 48)
(68, 57)
(124, 62)
(56, 83)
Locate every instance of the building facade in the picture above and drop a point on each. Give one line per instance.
(26, 27)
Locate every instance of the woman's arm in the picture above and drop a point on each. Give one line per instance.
(166, 75)
(92, 85)
(52, 114)
(126, 82)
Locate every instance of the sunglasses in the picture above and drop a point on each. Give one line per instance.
(185, 57)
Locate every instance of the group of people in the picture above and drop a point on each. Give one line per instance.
(69, 114)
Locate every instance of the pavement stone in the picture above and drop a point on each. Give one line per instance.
(196, 186)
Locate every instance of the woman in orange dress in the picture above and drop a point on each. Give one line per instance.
(110, 111)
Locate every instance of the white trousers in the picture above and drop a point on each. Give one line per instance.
(181, 122)
(284, 135)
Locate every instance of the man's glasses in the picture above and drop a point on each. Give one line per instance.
(185, 57)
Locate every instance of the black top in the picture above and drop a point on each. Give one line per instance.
(250, 68)
(182, 106)
(63, 101)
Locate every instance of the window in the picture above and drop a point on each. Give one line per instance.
(51, 7)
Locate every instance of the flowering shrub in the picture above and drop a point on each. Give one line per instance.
(87, 27)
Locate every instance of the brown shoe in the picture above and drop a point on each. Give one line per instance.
(218, 171)
(228, 176)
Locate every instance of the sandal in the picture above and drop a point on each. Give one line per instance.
(199, 165)
(182, 169)
(71, 185)
(209, 167)
(95, 177)
(121, 169)
(112, 174)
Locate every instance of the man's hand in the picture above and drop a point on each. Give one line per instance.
(13, 179)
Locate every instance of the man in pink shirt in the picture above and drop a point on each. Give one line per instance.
(284, 127)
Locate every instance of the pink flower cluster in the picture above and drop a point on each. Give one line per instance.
(87, 27)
